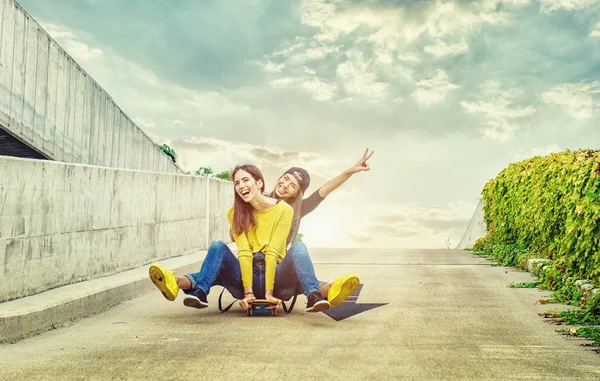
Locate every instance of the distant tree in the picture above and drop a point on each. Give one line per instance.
(208, 172)
(225, 175)
(204, 171)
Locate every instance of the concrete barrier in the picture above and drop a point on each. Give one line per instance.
(221, 196)
(475, 230)
(65, 223)
(50, 103)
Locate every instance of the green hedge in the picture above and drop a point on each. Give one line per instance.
(547, 207)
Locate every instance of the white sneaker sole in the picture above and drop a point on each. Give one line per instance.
(322, 305)
(192, 301)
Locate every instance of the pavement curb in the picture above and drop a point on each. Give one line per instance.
(537, 265)
(35, 314)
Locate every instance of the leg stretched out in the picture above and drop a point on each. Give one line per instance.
(219, 268)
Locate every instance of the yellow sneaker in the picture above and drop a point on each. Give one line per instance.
(342, 288)
(164, 280)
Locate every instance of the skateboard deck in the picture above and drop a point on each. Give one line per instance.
(262, 307)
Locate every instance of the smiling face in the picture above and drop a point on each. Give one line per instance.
(246, 187)
(287, 186)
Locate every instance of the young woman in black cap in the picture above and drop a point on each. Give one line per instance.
(290, 187)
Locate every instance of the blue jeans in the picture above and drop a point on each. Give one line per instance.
(294, 274)
(219, 268)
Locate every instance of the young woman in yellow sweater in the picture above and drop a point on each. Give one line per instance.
(260, 226)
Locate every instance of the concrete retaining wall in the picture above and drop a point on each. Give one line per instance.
(64, 223)
(475, 230)
(50, 103)
(221, 199)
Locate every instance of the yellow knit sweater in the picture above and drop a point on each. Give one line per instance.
(268, 237)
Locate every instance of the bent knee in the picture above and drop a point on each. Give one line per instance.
(217, 245)
(298, 248)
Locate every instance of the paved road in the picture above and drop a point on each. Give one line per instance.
(448, 315)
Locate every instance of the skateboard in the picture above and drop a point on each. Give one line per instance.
(262, 307)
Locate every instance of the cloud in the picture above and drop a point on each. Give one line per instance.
(386, 25)
(70, 43)
(569, 5)
(139, 91)
(361, 238)
(498, 110)
(517, 155)
(272, 67)
(334, 20)
(596, 31)
(576, 99)
(223, 155)
(402, 224)
(358, 80)
(434, 89)
(313, 54)
(373, 47)
(440, 226)
(391, 231)
(449, 18)
(442, 49)
(206, 146)
(318, 89)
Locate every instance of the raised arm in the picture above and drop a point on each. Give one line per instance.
(311, 202)
(335, 183)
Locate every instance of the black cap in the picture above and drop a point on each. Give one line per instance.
(304, 183)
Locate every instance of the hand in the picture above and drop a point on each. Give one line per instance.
(247, 299)
(361, 165)
(269, 296)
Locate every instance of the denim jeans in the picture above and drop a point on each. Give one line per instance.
(294, 274)
(219, 268)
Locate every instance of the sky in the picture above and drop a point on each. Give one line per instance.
(447, 94)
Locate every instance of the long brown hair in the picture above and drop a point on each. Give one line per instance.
(243, 212)
(296, 204)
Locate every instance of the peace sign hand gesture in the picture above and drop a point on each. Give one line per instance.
(361, 165)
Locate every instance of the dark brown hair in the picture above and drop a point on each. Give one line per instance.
(243, 212)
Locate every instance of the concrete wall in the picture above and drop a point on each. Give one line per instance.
(475, 230)
(63, 223)
(49, 102)
(221, 200)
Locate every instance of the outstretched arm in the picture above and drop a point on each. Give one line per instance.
(334, 183)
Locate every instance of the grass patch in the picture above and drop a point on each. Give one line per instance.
(505, 255)
(523, 285)
(566, 291)
(590, 333)
(588, 315)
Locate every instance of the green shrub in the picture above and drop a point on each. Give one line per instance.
(546, 207)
